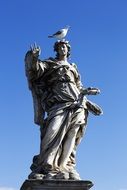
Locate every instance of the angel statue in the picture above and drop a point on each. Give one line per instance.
(60, 109)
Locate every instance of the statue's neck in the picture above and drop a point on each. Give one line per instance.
(62, 58)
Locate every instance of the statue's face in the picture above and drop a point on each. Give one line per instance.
(62, 50)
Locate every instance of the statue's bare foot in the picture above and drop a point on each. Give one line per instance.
(50, 176)
(73, 174)
(62, 175)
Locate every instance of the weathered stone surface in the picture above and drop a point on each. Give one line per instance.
(60, 109)
(56, 185)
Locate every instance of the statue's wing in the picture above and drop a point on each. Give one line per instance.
(39, 113)
(38, 110)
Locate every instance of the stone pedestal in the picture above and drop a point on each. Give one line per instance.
(56, 185)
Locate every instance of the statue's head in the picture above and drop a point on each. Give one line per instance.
(62, 48)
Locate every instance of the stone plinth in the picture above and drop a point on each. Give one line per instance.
(56, 185)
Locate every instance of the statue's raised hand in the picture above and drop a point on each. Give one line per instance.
(31, 57)
(35, 50)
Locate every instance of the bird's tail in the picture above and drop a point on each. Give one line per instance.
(50, 36)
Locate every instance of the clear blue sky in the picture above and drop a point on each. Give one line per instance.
(98, 36)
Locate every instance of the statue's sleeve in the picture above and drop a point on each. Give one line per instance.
(39, 69)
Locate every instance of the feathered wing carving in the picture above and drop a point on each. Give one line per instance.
(30, 62)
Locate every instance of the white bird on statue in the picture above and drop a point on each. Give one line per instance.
(61, 33)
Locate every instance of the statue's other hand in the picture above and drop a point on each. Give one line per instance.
(91, 91)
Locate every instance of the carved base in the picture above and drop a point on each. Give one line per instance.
(34, 184)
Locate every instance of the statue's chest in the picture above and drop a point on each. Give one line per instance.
(64, 71)
(60, 73)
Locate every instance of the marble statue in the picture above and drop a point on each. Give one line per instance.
(60, 109)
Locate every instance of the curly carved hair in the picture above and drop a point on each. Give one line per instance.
(59, 43)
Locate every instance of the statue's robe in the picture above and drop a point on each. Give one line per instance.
(57, 86)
